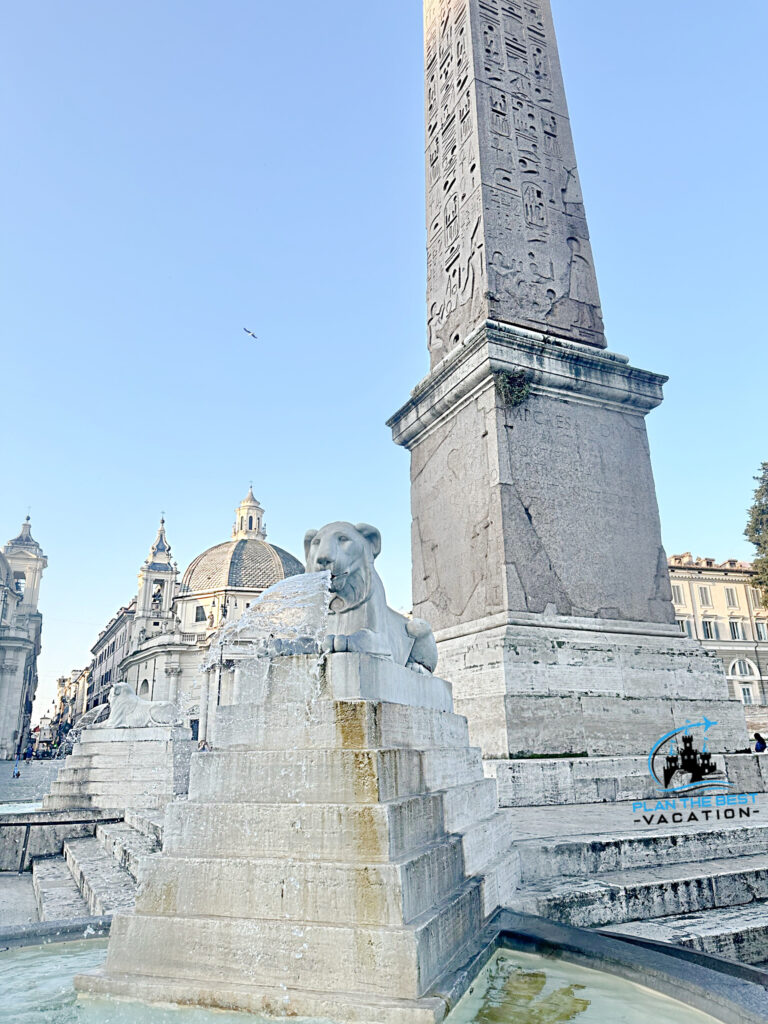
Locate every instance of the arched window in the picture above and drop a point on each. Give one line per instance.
(250, 522)
(743, 668)
(144, 688)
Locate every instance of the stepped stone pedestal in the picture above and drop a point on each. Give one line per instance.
(124, 767)
(339, 848)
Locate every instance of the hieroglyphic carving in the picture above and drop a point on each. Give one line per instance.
(507, 236)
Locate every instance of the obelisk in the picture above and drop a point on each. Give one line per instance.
(537, 552)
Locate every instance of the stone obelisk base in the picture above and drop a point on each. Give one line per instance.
(538, 557)
(339, 849)
(124, 768)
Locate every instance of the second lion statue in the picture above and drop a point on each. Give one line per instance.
(129, 711)
(362, 620)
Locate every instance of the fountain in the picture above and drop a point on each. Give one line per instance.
(340, 856)
(340, 845)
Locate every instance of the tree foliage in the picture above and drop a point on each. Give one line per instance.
(757, 531)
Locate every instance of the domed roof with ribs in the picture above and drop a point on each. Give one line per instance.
(243, 564)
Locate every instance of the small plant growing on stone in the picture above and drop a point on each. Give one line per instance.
(512, 388)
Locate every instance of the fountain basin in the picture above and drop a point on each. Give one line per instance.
(514, 986)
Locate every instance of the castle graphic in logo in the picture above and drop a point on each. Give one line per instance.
(679, 762)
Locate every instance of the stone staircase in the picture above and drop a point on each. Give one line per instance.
(97, 874)
(705, 889)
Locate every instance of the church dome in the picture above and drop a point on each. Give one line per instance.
(245, 564)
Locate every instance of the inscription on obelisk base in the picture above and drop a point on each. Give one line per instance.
(537, 552)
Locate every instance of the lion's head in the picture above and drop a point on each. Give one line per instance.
(347, 552)
(120, 692)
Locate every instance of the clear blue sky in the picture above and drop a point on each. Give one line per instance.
(176, 170)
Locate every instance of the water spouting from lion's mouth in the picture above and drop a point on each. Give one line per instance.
(290, 617)
(293, 610)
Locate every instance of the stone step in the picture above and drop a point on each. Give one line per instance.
(149, 823)
(337, 832)
(145, 755)
(312, 776)
(500, 881)
(105, 887)
(315, 891)
(320, 776)
(144, 793)
(589, 855)
(56, 893)
(371, 960)
(484, 842)
(661, 891)
(128, 846)
(525, 782)
(466, 804)
(147, 774)
(358, 724)
(737, 933)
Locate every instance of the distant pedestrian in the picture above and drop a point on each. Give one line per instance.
(760, 743)
(16, 772)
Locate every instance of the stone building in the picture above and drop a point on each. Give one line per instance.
(21, 570)
(70, 701)
(111, 647)
(158, 641)
(170, 644)
(716, 603)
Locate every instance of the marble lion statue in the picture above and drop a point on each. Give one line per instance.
(362, 620)
(126, 710)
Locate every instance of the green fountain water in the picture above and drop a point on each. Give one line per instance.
(514, 988)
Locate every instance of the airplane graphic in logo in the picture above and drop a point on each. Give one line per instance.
(692, 769)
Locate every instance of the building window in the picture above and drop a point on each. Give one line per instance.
(731, 597)
(761, 630)
(685, 626)
(754, 597)
(199, 613)
(677, 594)
(746, 694)
(741, 668)
(737, 633)
(144, 688)
(250, 522)
(710, 629)
(194, 725)
(705, 597)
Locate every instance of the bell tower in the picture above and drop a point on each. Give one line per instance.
(157, 587)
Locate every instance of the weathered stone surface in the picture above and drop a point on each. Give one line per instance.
(699, 876)
(506, 231)
(56, 893)
(123, 767)
(530, 690)
(359, 855)
(535, 522)
(737, 933)
(616, 896)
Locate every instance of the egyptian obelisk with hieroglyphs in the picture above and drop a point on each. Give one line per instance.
(536, 537)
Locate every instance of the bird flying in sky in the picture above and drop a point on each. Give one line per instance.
(254, 336)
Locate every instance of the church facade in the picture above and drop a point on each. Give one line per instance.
(21, 571)
(158, 642)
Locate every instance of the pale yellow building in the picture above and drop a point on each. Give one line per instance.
(716, 603)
